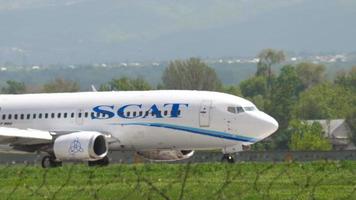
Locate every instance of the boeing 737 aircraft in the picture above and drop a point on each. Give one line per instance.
(158, 125)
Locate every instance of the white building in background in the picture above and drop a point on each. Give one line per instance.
(293, 59)
(35, 67)
(155, 64)
(338, 132)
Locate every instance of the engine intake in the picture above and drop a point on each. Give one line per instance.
(82, 146)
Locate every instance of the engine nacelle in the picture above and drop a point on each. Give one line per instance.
(166, 155)
(81, 146)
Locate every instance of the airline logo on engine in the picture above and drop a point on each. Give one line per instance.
(133, 111)
(75, 147)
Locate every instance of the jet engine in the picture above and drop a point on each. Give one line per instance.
(81, 146)
(166, 155)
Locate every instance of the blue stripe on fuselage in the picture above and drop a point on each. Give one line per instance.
(207, 132)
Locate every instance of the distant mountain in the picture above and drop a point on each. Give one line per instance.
(90, 31)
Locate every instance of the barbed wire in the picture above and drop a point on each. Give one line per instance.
(290, 180)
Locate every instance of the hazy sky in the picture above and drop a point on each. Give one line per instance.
(85, 31)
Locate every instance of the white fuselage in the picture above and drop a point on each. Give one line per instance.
(140, 120)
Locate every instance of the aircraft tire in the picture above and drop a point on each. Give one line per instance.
(103, 162)
(228, 158)
(49, 162)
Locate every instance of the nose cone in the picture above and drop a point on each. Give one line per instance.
(265, 125)
(272, 124)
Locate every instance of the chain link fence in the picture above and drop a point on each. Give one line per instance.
(249, 180)
(206, 156)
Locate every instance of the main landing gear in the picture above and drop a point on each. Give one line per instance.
(228, 158)
(50, 162)
(103, 162)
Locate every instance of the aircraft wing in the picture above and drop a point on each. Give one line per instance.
(24, 137)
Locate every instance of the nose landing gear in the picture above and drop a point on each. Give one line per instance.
(230, 152)
(228, 158)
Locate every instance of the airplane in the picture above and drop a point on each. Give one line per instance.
(160, 125)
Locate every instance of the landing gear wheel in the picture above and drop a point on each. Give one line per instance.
(228, 158)
(103, 162)
(50, 162)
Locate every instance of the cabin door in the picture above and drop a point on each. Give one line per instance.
(204, 113)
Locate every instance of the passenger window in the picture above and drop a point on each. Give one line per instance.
(134, 114)
(86, 114)
(40, 116)
(128, 114)
(28, 116)
(34, 116)
(165, 113)
(59, 115)
(80, 115)
(15, 116)
(10, 116)
(231, 109)
(140, 113)
(22, 116)
(65, 115)
(3, 117)
(72, 115)
(46, 115)
(147, 113)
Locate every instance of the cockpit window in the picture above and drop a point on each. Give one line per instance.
(231, 109)
(250, 108)
(239, 109)
(235, 110)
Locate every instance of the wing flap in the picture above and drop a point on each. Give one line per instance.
(14, 136)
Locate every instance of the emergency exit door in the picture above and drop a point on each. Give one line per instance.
(204, 114)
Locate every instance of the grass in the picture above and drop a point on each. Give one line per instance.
(312, 180)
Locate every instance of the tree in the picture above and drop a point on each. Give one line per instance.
(234, 90)
(268, 58)
(284, 96)
(255, 89)
(254, 86)
(347, 80)
(126, 84)
(14, 87)
(61, 85)
(324, 101)
(310, 74)
(260, 102)
(192, 74)
(351, 122)
(308, 137)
